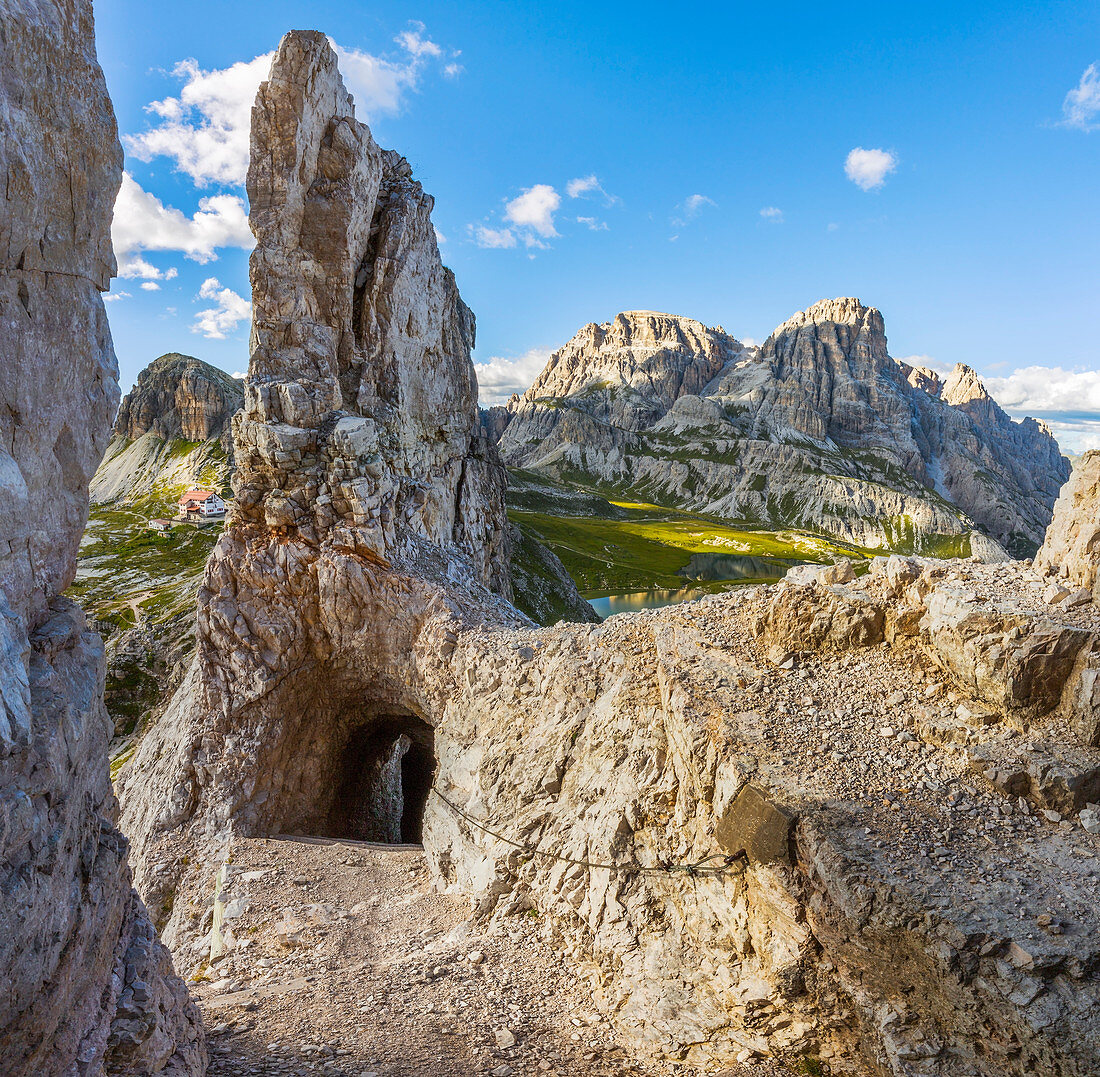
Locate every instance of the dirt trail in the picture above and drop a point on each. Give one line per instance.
(348, 962)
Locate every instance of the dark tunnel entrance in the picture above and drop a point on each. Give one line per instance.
(383, 779)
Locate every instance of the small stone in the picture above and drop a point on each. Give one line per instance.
(1055, 594)
(886, 731)
(504, 1037)
(1051, 816)
(475, 957)
(502, 1071)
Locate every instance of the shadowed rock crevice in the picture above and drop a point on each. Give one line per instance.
(382, 780)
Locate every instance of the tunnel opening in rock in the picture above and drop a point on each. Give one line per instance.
(382, 780)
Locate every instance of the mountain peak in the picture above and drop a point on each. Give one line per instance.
(179, 396)
(963, 385)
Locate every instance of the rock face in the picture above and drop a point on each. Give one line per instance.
(88, 988)
(369, 503)
(817, 428)
(1071, 548)
(703, 803)
(179, 396)
(350, 430)
(172, 431)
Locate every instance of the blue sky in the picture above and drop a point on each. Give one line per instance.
(588, 158)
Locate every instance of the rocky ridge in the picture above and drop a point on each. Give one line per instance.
(88, 988)
(1071, 548)
(172, 431)
(818, 428)
(835, 822)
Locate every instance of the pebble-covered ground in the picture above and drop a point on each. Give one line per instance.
(353, 964)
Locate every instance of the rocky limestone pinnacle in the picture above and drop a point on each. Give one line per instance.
(369, 511)
(360, 411)
(87, 987)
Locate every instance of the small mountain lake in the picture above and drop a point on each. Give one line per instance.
(705, 570)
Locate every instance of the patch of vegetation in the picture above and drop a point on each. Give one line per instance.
(648, 546)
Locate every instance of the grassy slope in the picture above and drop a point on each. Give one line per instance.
(126, 570)
(636, 546)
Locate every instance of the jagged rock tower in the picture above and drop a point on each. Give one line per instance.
(369, 504)
(87, 987)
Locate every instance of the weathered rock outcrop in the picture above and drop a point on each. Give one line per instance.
(1071, 548)
(724, 832)
(818, 428)
(172, 431)
(178, 396)
(88, 988)
(369, 504)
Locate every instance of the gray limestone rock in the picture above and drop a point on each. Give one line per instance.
(817, 428)
(88, 988)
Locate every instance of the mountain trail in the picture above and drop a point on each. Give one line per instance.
(349, 962)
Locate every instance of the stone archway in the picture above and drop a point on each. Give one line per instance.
(381, 781)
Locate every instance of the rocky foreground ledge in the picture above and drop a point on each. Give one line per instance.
(919, 892)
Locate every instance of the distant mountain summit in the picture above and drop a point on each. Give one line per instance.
(817, 428)
(179, 396)
(172, 431)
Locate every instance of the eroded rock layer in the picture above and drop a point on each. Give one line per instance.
(818, 428)
(88, 988)
(815, 822)
(172, 431)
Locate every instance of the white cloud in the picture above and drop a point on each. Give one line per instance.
(228, 312)
(498, 378)
(868, 169)
(150, 286)
(204, 129)
(832, 226)
(773, 214)
(240, 375)
(696, 202)
(1047, 388)
(584, 186)
(143, 223)
(492, 238)
(534, 210)
(452, 71)
(1081, 108)
(690, 208)
(114, 297)
(415, 43)
(592, 224)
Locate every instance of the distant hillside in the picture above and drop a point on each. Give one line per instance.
(817, 429)
(171, 432)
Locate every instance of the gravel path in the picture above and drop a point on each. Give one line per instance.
(348, 962)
